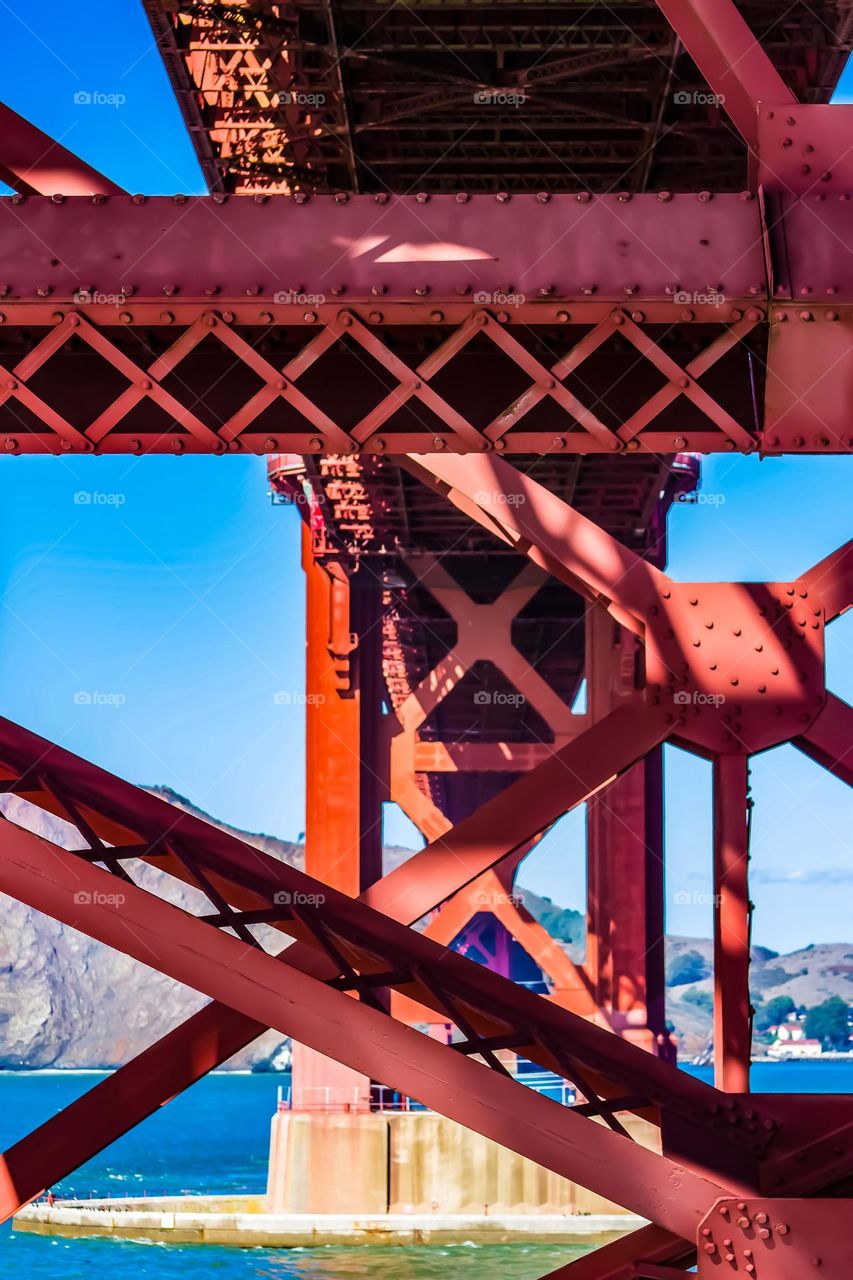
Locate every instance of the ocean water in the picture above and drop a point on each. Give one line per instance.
(214, 1139)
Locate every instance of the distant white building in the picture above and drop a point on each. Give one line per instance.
(793, 1044)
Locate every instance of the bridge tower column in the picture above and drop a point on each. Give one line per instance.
(625, 863)
(346, 771)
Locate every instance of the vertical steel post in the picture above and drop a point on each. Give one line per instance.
(732, 1010)
(624, 860)
(343, 826)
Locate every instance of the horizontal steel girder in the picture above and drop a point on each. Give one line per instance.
(592, 324)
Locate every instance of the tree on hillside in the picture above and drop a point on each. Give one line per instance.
(828, 1022)
(775, 1011)
(701, 999)
(690, 966)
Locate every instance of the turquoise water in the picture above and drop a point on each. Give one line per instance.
(214, 1140)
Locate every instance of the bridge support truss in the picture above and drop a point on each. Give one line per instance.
(444, 332)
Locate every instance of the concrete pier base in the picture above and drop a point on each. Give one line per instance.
(241, 1221)
(413, 1162)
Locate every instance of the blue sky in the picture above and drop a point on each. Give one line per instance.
(178, 589)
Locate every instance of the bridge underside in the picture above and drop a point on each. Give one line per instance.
(457, 264)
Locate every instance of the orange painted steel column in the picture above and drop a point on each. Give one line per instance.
(732, 925)
(343, 813)
(625, 931)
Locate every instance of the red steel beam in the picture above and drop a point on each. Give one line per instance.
(829, 741)
(300, 253)
(832, 579)
(343, 815)
(730, 58)
(553, 534)
(622, 1259)
(32, 163)
(216, 1033)
(156, 933)
(732, 923)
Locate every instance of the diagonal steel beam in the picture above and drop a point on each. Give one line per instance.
(623, 1259)
(541, 525)
(829, 741)
(32, 163)
(217, 1032)
(162, 936)
(832, 579)
(730, 58)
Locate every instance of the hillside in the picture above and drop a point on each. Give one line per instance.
(67, 1001)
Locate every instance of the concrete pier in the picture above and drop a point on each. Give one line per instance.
(243, 1221)
(414, 1162)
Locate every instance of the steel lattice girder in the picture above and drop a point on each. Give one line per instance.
(345, 946)
(373, 100)
(590, 325)
(212, 1036)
